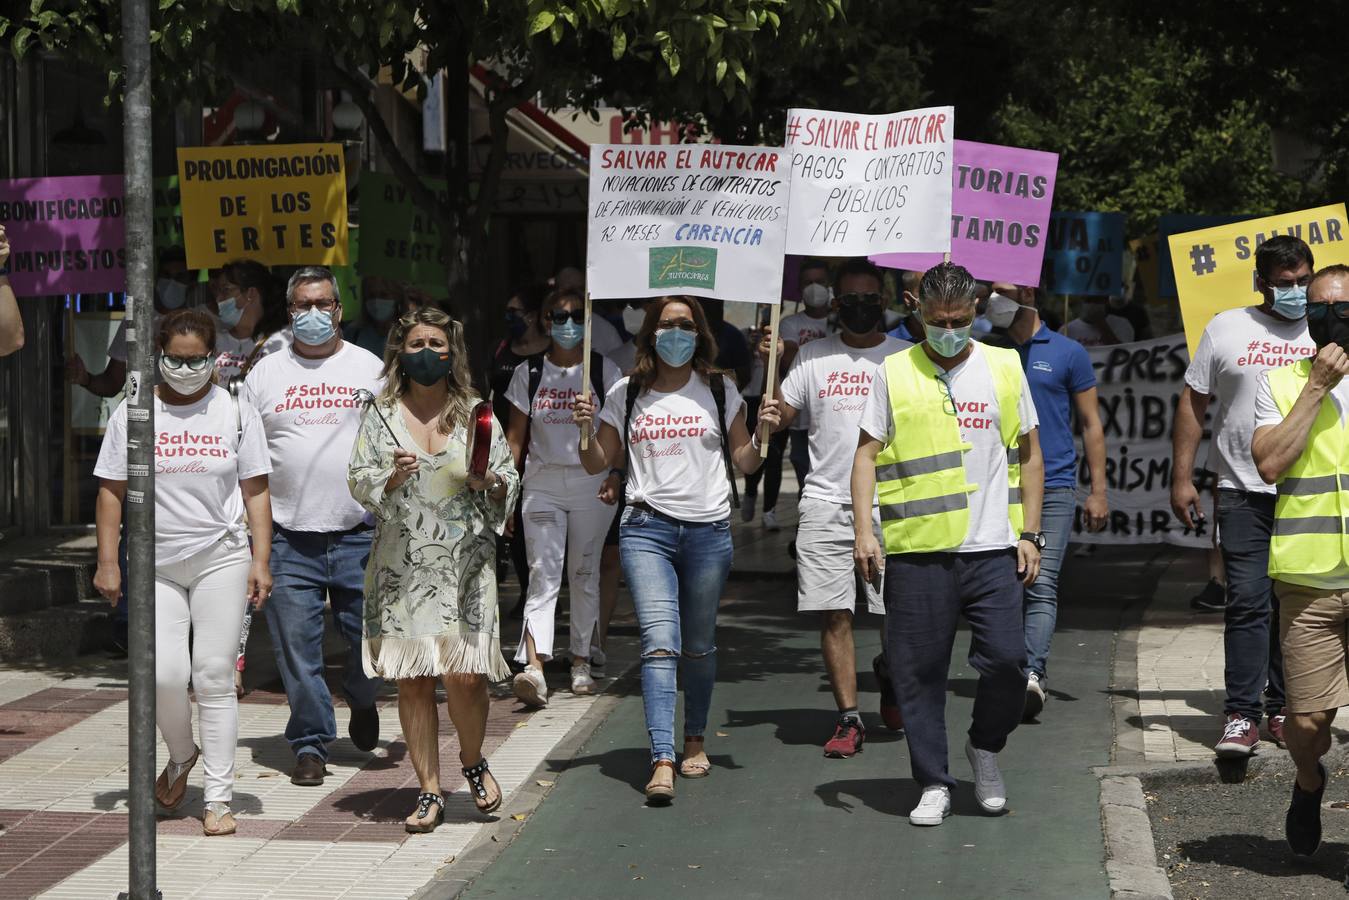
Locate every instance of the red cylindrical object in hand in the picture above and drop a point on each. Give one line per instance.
(479, 439)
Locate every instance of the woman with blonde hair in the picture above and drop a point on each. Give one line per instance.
(430, 585)
(680, 422)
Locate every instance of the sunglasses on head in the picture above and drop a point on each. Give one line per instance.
(856, 299)
(1318, 311)
(560, 316)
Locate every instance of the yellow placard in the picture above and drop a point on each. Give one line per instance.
(282, 204)
(1215, 267)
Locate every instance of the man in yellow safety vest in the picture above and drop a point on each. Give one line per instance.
(949, 448)
(1302, 447)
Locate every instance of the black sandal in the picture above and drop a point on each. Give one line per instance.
(424, 802)
(475, 774)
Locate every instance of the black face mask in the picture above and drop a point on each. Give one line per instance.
(515, 324)
(426, 366)
(1327, 328)
(861, 318)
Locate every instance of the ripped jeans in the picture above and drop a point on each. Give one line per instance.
(675, 571)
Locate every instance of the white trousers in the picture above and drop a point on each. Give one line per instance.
(564, 521)
(203, 595)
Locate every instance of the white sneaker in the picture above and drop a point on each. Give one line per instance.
(531, 688)
(988, 787)
(1035, 697)
(770, 520)
(933, 806)
(581, 682)
(747, 508)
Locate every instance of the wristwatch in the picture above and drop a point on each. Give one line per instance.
(1035, 537)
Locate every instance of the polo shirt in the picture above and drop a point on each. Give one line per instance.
(1057, 367)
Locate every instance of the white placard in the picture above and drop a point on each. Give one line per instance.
(863, 185)
(701, 219)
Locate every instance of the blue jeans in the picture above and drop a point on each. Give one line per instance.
(308, 566)
(676, 572)
(925, 595)
(1254, 660)
(1042, 597)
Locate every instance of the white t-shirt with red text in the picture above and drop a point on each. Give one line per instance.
(200, 457)
(232, 353)
(801, 329)
(553, 436)
(675, 464)
(980, 421)
(311, 415)
(830, 382)
(1237, 347)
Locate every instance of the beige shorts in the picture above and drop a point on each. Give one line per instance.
(826, 576)
(1312, 632)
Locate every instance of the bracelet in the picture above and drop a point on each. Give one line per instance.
(754, 440)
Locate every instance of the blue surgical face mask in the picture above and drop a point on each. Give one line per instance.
(172, 294)
(675, 345)
(1290, 302)
(313, 327)
(229, 312)
(947, 342)
(381, 309)
(568, 334)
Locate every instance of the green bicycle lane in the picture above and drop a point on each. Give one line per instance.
(776, 819)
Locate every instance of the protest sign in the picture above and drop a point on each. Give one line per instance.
(1084, 254)
(282, 204)
(1176, 224)
(865, 185)
(1000, 202)
(68, 235)
(167, 213)
(707, 220)
(1215, 267)
(1138, 386)
(402, 240)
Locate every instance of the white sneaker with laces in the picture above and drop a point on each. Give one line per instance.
(581, 682)
(933, 807)
(988, 787)
(770, 520)
(1035, 697)
(531, 688)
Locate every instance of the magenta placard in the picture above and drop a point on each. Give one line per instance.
(1000, 202)
(66, 235)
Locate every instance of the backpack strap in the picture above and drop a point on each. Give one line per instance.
(597, 378)
(633, 390)
(253, 355)
(718, 387)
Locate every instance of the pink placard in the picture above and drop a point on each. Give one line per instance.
(1000, 202)
(66, 235)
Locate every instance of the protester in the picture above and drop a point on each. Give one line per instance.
(211, 464)
(1097, 326)
(565, 517)
(1299, 445)
(910, 328)
(430, 587)
(171, 286)
(770, 473)
(675, 535)
(949, 424)
(1129, 309)
(733, 350)
(382, 303)
(307, 397)
(1062, 382)
(11, 323)
(796, 331)
(1236, 348)
(830, 382)
(604, 338)
(251, 305)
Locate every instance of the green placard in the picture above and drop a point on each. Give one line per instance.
(348, 282)
(402, 241)
(167, 213)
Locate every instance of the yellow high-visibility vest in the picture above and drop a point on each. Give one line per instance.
(921, 481)
(1309, 514)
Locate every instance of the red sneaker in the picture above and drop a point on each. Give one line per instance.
(847, 740)
(1240, 735)
(1274, 725)
(892, 718)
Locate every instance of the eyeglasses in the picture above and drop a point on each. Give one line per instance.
(191, 363)
(561, 316)
(855, 299)
(1319, 311)
(681, 324)
(948, 401)
(323, 304)
(1286, 283)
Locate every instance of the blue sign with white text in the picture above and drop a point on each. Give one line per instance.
(1084, 254)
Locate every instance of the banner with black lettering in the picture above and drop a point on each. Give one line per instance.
(1139, 386)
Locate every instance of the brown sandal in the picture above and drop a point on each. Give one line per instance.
(657, 792)
(169, 795)
(690, 769)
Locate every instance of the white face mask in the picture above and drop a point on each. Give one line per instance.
(184, 381)
(816, 296)
(1001, 310)
(633, 317)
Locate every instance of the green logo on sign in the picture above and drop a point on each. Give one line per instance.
(683, 267)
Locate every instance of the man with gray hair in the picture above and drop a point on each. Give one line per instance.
(308, 396)
(960, 488)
